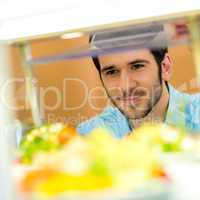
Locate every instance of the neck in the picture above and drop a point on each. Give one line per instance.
(159, 111)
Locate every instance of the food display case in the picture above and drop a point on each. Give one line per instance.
(130, 25)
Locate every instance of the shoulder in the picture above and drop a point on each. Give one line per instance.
(177, 96)
(193, 112)
(181, 100)
(95, 122)
(189, 105)
(111, 118)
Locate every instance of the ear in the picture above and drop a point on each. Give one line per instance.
(166, 67)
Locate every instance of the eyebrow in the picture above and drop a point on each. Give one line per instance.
(109, 67)
(138, 61)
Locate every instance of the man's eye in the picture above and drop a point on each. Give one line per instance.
(137, 66)
(111, 72)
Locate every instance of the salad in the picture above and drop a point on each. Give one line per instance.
(60, 161)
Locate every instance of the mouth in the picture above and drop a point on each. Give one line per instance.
(131, 100)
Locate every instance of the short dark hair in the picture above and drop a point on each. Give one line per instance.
(158, 54)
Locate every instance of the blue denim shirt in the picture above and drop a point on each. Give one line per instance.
(183, 111)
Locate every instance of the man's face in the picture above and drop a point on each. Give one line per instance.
(132, 81)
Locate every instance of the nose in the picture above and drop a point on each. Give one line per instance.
(126, 81)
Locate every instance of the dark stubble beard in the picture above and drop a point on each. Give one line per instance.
(151, 104)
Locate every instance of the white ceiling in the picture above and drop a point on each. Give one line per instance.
(27, 18)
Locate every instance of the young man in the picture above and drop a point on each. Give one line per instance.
(136, 82)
